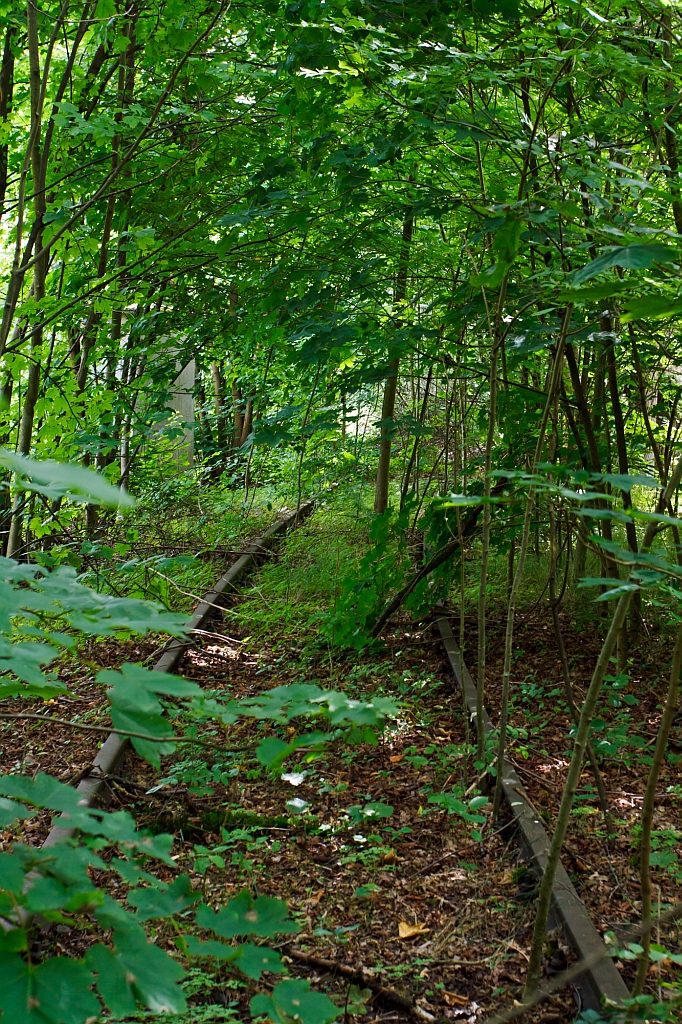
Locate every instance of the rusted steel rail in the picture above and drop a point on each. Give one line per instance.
(109, 758)
(601, 982)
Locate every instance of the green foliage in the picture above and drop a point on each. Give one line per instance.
(293, 1001)
(54, 883)
(362, 593)
(57, 480)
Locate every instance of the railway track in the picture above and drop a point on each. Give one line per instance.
(601, 984)
(93, 788)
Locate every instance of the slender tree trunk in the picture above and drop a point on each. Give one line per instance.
(554, 378)
(415, 447)
(219, 408)
(670, 138)
(572, 779)
(247, 425)
(566, 672)
(39, 270)
(623, 468)
(497, 340)
(6, 96)
(485, 548)
(391, 385)
(578, 755)
(648, 806)
(237, 418)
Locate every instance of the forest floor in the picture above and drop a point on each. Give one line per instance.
(407, 898)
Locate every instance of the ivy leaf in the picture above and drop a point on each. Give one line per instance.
(152, 903)
(245, 916)
(293, 1000)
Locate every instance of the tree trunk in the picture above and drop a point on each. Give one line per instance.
(219, 408)
(6, 95)
(391, 385)
(39, 270)
(237, 417)
(247, 426)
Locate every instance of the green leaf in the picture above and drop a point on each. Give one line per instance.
(136, 970)
(624, 588)
(663, 858)
(62, 989)
(263, 916)
(47, 894)
(254, 960)
(651, 307)
(478, 801)
(13, 941)
(293, 1001)
(625, 482)
(507, 239)
(42, 791)
(491, 277)
(596, 293)
(272, 751)
(192, 946)
(59, 479)
(153, 903)
(12, 874)
(144, 679)
(377, 809)
(10, 811)
(56, 990)
(636, 256)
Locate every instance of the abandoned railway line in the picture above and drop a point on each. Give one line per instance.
(117, 778)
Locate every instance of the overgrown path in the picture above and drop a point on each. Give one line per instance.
(358, 840)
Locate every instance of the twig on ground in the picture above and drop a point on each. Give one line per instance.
(360, 977)
(217, 636)
(171, 738)
(574, 972)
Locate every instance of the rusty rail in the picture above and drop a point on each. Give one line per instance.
(601, 984)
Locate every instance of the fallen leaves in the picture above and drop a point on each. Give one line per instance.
(408, 931)
(454, 999)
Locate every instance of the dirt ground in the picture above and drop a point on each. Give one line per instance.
(410, 902)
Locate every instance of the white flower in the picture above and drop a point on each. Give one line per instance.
(295, 778)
